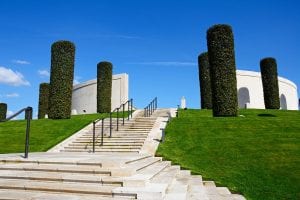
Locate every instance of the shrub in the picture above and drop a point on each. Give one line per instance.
(204, 79)
(61, 79)
(43, 100)
(3, 111)
(269, 76)
(104, 85)
(220, 45)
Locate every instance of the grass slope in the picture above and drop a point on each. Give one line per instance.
(44, 133)
(257, 154)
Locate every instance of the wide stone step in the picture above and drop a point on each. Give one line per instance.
(40, 195)
(44, 162)
(59, 177)
(141, 164)
(62, 187)
(107, 144)
(106, 147)
(152, 170)
(167, 175)
(102, 150)
(56, 168)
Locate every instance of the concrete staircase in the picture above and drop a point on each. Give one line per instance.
(120, 169)
(130, 136)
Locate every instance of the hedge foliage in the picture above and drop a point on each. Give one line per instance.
(61, 79)
(3, 111)
(268, 68)
(220, 45)
(204, 79)
(43, 100)
(104, 85)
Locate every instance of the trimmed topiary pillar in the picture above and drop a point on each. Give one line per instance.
(269, 76)
(104, 84)
(3, 111)
(220, 45)
(61, 79)
(43, 100)
(204, 79)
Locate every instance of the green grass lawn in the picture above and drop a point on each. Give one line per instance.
(257, 154)
(44, 134)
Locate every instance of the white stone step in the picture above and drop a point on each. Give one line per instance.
(55, 168)
(40, 195)
(60, 177)
(101, 150)
(62, 187)
(149, 192)
(142, 164)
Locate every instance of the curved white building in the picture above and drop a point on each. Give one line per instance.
(84, 95)
(250, 91)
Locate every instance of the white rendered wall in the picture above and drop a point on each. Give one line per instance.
(252, 81)
(84, 95)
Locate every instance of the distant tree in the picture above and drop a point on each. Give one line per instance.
(269, 76)
(104, 86)
(204, 79)
(3, 111)
(43, 100)
(61, 79)
(220, 45)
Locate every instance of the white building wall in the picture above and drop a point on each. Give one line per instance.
(84, 95)
(252, 81)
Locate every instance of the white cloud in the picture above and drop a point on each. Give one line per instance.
(76, 80)
(166, 63)
(12, 95)
(10, 113)
(44, 73)
(21, 62)
(9, 77)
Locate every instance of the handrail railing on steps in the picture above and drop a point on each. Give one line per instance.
(130, 111)
(28, 116)
(152, 106)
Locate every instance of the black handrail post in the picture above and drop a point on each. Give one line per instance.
(123, 112)
(102, 130)
(94, 128)
(131, 104)
(110, 124)
(155, 102)
(28, 113)
(118, 119)
(128, 102)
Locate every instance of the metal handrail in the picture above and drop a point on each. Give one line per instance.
(28, 114)
(130, 106)
(152, 106)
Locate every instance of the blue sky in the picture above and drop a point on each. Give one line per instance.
(156, 42)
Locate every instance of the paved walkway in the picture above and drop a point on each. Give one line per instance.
(123, 168)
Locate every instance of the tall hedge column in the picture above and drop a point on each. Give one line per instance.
(43, 100)
(204, 79)
(268, 68)
(3, 111)
(220, 45)
(61, 79)
(104, 85)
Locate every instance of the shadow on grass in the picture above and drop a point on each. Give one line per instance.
(266, 115)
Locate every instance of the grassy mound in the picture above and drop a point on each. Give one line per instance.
(256, 154)
(44, 133)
